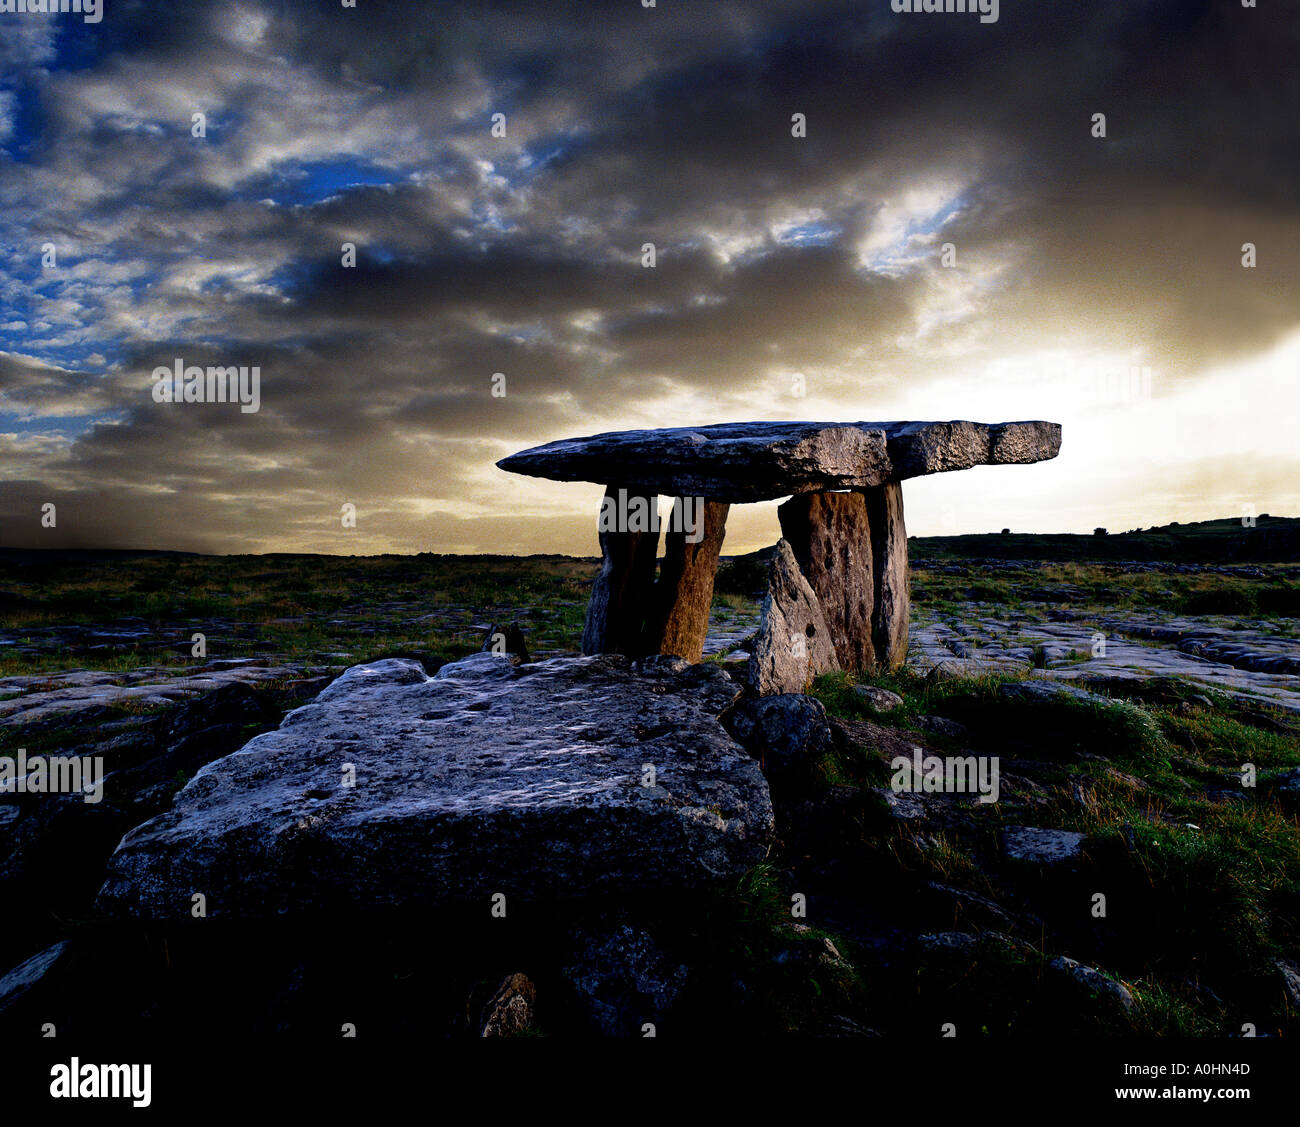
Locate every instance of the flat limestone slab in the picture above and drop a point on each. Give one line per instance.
(486, 778)
(741, 462)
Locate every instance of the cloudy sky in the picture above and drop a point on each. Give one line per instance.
(1097, 281)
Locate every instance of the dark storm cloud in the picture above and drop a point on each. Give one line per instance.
(522, 254)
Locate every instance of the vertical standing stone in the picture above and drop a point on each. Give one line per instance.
(831, 538)
(793, 644)
(889, 567)
(623, 589)
(679, 619)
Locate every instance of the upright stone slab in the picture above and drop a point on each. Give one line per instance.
(831, 539)
(679, 619)
(793, 644)
(889, 570)
(621, 594)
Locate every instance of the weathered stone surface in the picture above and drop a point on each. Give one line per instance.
(623, 979)
(60, 697)
(1289, 977)
(1288, 782)
(623, 588)
(1143, 647)
(889, 574)
(782, 730)
(1050, 692)
(793, 644)
(807, 948)
(1041, 846)
(942, 726)
(832, 542)
(1093, 983)
(882, 700)
(957, 942)
(739, 462)
(679, 621)
(488, 777)
(511, 1011)
(23, 978)
(960, 904)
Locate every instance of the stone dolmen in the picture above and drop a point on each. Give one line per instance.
(838, 593)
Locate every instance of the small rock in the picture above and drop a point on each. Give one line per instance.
(979, 909)
(1129, 782)
(623, 979)
(23, 977)
(782, 730)
(1289, 782)
(1048, 692)
(1094, 982)
(942, 726)
(907, 806)
(841, 1025)
(1041, 846)
(811, 949)
(736, 660)
(505, 640)
(233, 703)
(961, 942)
(882, 700)
(945, 671)
(510, 1012)
(1290, 973)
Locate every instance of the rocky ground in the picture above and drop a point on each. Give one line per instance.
(1246, 661)
(874, 911)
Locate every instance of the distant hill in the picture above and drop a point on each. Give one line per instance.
(1271, 540)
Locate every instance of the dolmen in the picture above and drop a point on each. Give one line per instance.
(605, 777)
(837, 596)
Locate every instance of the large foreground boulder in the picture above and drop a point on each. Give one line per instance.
(395, 788)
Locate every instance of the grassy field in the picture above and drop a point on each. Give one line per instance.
(299, 608)
(1201, 876)
(355, 608)
(1272, 594)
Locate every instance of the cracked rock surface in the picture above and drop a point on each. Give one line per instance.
(739, 462)
(486, 778)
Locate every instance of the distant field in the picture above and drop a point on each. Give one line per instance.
(122, 610)
(59, 610)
